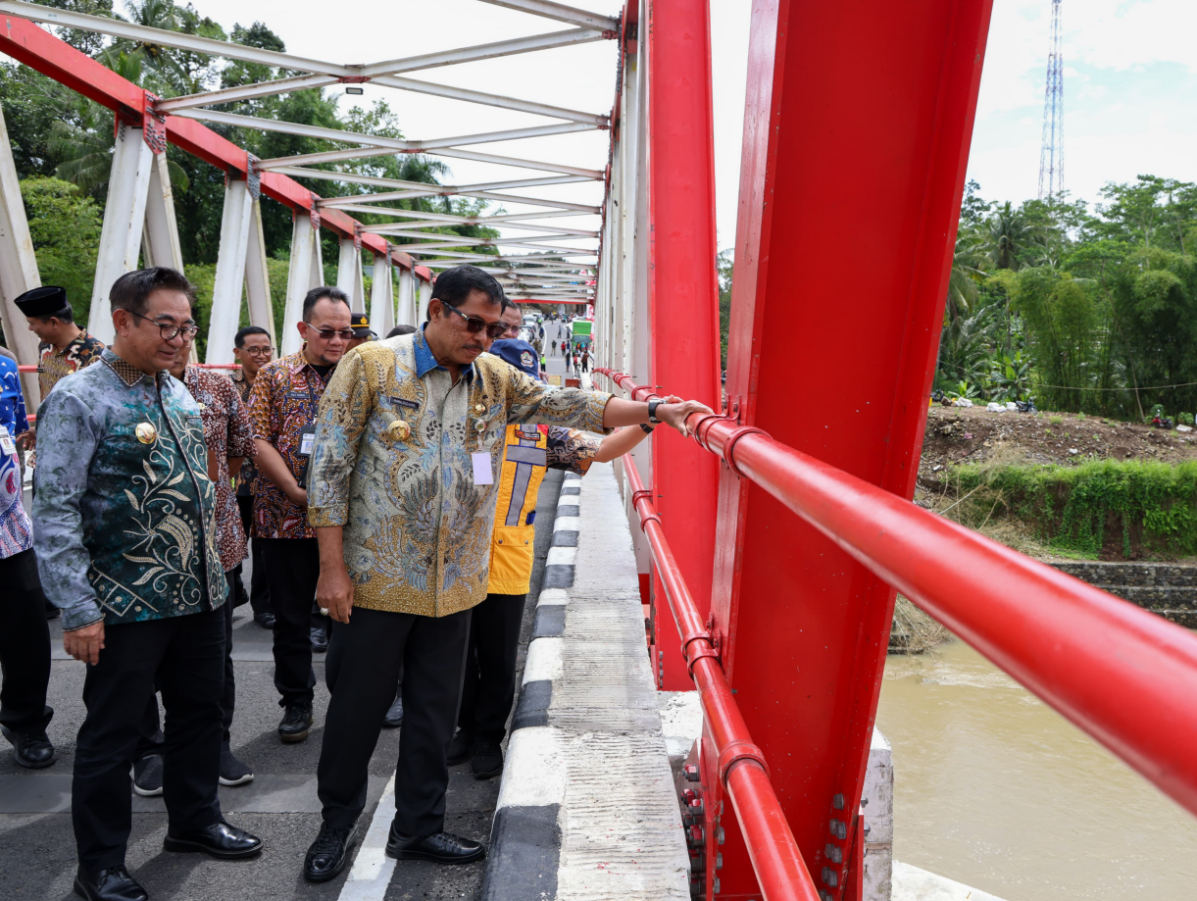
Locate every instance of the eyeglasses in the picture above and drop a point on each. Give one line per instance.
(169, 330)
(327, 334)
(258, 351)
(475, 325)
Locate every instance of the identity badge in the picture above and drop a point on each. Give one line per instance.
(482, 471)
(6, 443)
(306, 438)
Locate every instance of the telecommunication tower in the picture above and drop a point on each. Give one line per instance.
(1051, 152)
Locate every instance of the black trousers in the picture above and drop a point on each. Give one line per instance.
(364, 660)
(489, 685)
(292, 567)
(185, 657)
(24, 645)
(151, 738)
(259, 591)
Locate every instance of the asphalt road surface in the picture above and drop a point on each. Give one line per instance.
(37, 856)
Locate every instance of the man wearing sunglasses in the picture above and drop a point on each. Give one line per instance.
(408, 445)
(282, 409)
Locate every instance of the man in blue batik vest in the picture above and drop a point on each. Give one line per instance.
(126, 547)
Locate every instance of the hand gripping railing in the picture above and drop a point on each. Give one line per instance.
(1122, 674)
(778, 865)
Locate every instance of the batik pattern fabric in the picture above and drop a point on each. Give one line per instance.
(282, 403)
(55, 365)
(571, 450)
(125, 512)
(227, 434)
(398, 446)
(12, 399)
(246, 478)
(16, 532)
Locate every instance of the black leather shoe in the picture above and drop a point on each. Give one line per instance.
(265, 619)
(461, 748)
(296, 723)
(218, 840)
(394, 715)
(110, 884)
(487, 761)
(327, 855)
(441, 847)
(30, 749)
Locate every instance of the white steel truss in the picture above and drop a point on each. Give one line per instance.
(139, 213)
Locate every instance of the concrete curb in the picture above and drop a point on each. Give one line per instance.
(586, 748)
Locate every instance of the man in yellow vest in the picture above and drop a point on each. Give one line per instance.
(489, 685)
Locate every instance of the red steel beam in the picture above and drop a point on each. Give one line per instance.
(32, 45)
(1122, 674)
(775, 858)
(857, 121)
(683, 305)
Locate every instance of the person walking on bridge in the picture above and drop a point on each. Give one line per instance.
(403, 496)
(126, 542)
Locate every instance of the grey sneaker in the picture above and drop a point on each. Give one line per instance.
(147, 775)
(232, 770)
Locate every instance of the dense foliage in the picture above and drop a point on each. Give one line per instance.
(1113, 509)
(1087, 311)
(62, 147)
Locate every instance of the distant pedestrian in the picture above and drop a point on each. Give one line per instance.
(126, 544)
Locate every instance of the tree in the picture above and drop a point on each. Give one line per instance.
(64, 225)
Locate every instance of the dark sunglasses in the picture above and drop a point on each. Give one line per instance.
(327, 334)
(475, 325)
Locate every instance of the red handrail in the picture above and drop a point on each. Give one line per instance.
(1122, 674)
(779, 867)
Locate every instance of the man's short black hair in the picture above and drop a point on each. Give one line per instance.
(317, 294)
(243, 333)
(401, 329)
(132, 290)
(454, 285)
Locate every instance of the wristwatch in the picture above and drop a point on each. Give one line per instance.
(652, 410)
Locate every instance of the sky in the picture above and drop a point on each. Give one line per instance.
(1130, 86)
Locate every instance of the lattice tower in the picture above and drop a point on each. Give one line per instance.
(1051, 152)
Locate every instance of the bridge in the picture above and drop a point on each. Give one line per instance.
(767, 549)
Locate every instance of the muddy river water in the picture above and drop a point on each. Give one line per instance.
(996, 790)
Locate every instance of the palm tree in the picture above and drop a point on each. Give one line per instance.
(1009, 236)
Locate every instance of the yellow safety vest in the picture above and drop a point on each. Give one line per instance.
(511, 549)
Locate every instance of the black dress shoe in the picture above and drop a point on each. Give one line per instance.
(487, 761)
(296, 722)
(327, 855)
(218, 840)
(30, 749)
(441, 847)
(265, 619)
(394, 715)
(110, 884)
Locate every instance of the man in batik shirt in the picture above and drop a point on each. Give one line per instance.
(253, 350)
(282, 408)
(230, 442)
(64, 347)
(126, 546)
(410, 436)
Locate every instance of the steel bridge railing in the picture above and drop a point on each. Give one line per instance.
(1122, 674)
